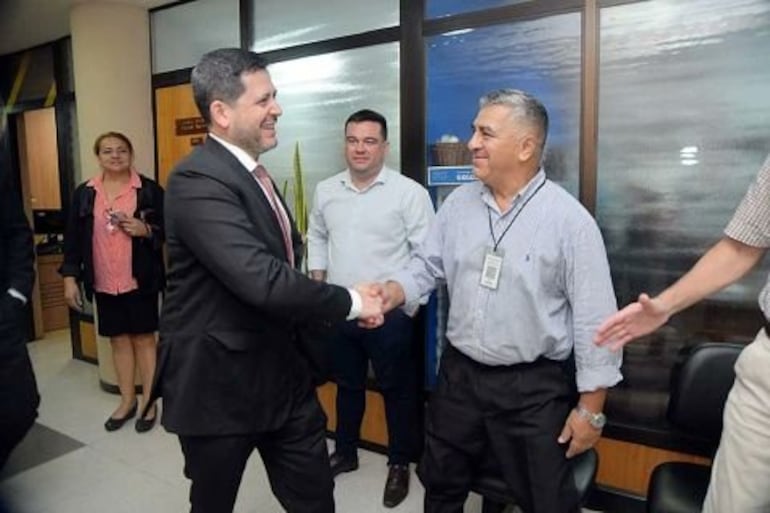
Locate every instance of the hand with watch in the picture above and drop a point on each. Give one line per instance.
(597, 420)
(582, 429)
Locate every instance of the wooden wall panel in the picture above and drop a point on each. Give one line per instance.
(626, 466)
(54, 308)
(42, 158)
(171, 104)
(373, 427)
(88, 339)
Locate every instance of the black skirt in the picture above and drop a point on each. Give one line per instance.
(132, 313)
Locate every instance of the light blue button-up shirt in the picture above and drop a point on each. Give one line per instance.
(554, 288)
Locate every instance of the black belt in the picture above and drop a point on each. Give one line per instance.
(767, 327)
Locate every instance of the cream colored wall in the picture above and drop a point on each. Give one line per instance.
(113, 91)
(111, 62)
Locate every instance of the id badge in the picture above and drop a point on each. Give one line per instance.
(493, 266)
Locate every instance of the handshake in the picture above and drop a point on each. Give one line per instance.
(377, 300)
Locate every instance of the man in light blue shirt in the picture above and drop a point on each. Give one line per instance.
(367, 222)
(529, 283)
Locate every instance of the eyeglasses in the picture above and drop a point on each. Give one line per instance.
(368, 142)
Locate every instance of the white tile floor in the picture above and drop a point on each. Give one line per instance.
(125, 472)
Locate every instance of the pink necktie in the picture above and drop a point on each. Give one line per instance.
(267, 183)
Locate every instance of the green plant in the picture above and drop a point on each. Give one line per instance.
(300, 204)
(297, 186)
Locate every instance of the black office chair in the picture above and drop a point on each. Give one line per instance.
(698, 393)
(497, 495)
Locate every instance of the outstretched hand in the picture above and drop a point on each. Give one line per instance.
(635, 320)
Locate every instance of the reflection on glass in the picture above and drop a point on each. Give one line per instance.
(181, 34)
(317, 95)
(440, 8)
(279, 24)
(682, 132)
(541, 57)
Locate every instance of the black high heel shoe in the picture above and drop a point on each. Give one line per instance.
(145, 424)
(114, 424)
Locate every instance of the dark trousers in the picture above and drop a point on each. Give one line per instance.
(295, 457)
(511, 415)
(19, 398)
(390, 350)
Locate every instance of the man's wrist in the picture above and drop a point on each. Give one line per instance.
(597, 419)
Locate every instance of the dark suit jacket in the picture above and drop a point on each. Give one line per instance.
(18, 393)
(17, 258)
(228, 359)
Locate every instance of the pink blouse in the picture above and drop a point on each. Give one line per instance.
(112, 246)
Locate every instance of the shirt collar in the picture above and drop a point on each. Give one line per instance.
(523, 195)
(381, 178)
(239, 153)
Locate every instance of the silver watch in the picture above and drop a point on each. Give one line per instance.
(597, 420)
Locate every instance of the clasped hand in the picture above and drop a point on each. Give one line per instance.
(378, 299)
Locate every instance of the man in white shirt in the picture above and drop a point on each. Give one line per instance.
(365, 224)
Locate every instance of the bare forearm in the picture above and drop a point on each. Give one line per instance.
(725, 263)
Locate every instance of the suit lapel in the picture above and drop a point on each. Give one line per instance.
(257, 205)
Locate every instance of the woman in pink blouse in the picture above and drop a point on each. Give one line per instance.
(113, 246)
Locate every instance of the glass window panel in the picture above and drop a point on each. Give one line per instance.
(541, 57)
(440, 8)
(317, 95)
(279, 24)
(682, 133)
(181, 34)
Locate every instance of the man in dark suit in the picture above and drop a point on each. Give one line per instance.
(230, 371)
(18, 392)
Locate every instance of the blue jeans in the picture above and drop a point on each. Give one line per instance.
(394, 360)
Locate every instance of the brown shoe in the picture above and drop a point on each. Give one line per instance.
(396, 486)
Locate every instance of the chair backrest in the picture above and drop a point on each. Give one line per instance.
(700, 387)
(584, 468)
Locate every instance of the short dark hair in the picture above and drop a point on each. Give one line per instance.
(217, 76)
(369, 115)
(115, 135)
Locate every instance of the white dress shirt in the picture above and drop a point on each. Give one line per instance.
(366, 235)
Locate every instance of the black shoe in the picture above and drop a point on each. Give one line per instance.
(145, 424)
(114, 424)
(341, 463)
(397, 485)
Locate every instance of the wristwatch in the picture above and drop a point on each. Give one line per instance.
(597, 420)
